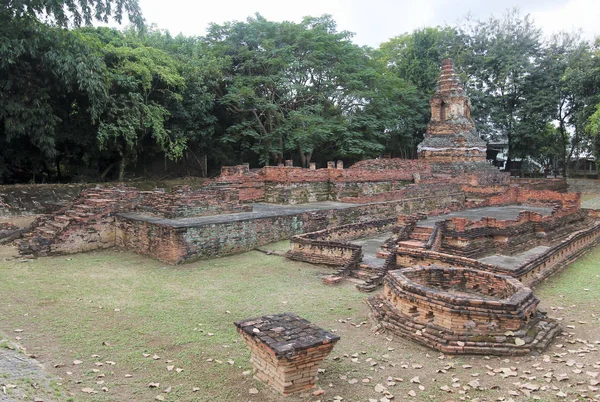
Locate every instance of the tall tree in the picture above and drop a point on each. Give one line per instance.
(49, 75)
(194, 116)
(570, 66)
(293, 88)
(500, 57)
(415, 59)
(143, 82)
(45, 74)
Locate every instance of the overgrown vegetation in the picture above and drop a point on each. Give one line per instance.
(83, 103)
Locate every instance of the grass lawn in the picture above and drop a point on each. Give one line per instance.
(112, 312)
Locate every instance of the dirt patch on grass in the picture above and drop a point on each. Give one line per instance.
(22, 378)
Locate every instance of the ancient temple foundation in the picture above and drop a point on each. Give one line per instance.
(463, 311)
(286, 350)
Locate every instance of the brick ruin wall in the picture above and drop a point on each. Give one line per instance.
(249, 183)
(559, 185)
(489, 235)
(88, 222)
(483, 196)
(458, 310)
(85, 224)
(388, 186)
(531, 272)
(175, 245)
(372, 180)
(33, 199)
(331, 247)
(183, 202)
(420, 190)
(295, 185)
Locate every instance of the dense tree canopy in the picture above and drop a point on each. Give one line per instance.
(78, 102)
(74, 12)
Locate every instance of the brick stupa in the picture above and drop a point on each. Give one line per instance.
(451, 135)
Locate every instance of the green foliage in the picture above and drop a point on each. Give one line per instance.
(416, 57)
(302, 89)
(414, 60)
(143, 79)
(501, 55)
(76, 103)
(42, 82)
(76, 12)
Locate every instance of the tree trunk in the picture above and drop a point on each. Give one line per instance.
(202, 162)
(108, 169)
(122, 164)
(58, 172)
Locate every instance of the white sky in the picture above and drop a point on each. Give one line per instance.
(372, 21)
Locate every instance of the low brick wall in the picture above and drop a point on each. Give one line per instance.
(184, 202)
(330, 246)
(531, 272)
(175, 243)
(489, 235)
(541, 184)
(460, 311)
(297, 193)
(409, 191)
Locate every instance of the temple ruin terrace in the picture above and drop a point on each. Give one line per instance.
(449, 213)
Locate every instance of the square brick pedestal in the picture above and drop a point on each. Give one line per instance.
(286, 350)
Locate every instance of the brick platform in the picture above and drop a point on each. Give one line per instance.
(286, 350)
(463, 311)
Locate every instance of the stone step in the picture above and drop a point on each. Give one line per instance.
(368, 268)
(57, 225)
(416, 244)
(382, 254)
(72, 214)
(83, 207)
(422, 230)
(45, 229)
(98, 201)
(365, 275)
(420, 236)
(46, 234)
(367, 287)
(63, 218)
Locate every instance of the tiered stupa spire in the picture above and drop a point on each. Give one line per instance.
(451, 135)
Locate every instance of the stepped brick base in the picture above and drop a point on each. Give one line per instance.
(463, 311)
(286, 350)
